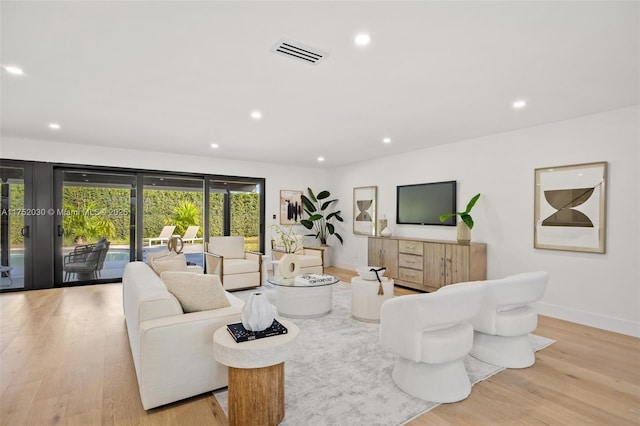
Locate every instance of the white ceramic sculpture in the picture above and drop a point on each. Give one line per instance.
(289, 266)
(257, 314)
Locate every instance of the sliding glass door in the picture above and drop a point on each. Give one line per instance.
(95, 225)
(65, 225)
(16, 225)
(236, 208)
(173, 205)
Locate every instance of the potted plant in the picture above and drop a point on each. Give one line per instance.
(286, 238)
(320, 218)
(464, 228)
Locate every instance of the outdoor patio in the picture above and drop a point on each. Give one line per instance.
(117, 258)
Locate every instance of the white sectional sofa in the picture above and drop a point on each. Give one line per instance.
(172, 351)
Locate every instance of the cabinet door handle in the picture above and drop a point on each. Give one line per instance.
(411, 261)
(442, 267)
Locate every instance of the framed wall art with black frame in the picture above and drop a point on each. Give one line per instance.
(364, 210)
(570, 207)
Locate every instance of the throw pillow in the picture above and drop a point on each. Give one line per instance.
(169, 263)
(196, 292)
(151, 257)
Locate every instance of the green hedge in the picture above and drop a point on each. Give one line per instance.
(91, 213)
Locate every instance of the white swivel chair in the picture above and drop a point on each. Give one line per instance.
(502, 327)
(237, 268)
(430, 334)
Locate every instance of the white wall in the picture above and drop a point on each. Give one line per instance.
(601, 290)
(277, 177)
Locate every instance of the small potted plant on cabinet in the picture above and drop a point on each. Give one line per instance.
(466, 225)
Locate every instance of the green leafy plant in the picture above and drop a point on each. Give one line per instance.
(465, 216)
(85, 222)
(184, 215)
(320, 217)
(286, 238)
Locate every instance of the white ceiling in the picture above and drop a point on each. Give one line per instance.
(177, 76)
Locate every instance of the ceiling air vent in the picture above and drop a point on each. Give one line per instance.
(299, 52)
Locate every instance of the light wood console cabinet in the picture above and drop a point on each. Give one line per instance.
(428, 265)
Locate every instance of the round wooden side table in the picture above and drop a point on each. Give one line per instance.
(256, 375)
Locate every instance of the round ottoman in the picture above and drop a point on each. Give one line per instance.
(365, 301)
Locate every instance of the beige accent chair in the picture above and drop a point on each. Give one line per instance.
(237, 268)
(310, 259)
(165, 235)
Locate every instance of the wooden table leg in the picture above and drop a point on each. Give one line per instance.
(256, 395)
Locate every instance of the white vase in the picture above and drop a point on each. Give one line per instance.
(257, 314)
(326, 255)
(386, 232)
(464, 234)
(288, 266)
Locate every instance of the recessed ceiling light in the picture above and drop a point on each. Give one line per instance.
(386, 140)
(54, 126)
(362, 39)
(214, 145)
(256, 115)
(520, 104)
(320, 159)
(11, 69)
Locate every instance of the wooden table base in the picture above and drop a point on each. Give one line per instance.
(256, 396)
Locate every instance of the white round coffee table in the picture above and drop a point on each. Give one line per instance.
(295, 300)
(256, 375)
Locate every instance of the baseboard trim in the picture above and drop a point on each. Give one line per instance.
(616, 325)
(590, 319)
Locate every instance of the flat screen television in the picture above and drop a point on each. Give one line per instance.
(422, 204)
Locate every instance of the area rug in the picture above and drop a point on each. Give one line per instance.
(338, 374)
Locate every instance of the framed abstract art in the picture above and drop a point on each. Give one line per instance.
(290, 207)
(570, 207)
(364, 210)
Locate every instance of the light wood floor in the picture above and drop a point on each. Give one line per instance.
(66, 360)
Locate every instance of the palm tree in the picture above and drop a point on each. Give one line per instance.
(184, 215)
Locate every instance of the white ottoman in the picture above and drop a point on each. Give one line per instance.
(365, 301)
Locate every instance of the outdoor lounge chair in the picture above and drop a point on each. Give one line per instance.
(190, 234)
(86, 259)
(165, 235)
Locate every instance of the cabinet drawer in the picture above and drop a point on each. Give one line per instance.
(411, 247)
(410, 261)
(410, 275)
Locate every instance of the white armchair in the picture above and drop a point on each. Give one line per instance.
(430, 334)
(237, 268)
(502, 327)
